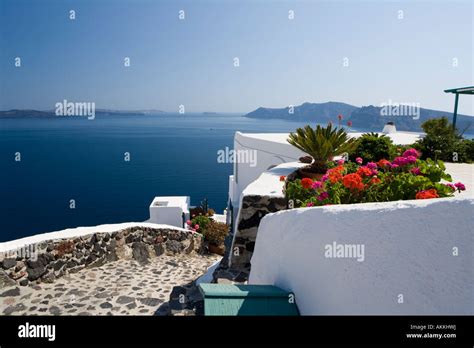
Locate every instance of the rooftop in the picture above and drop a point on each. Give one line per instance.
(399, 138)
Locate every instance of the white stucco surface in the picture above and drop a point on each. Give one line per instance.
(271, 148)
(408, 252)
(168, 210)
(77, 232)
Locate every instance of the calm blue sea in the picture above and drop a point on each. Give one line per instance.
(80, 159)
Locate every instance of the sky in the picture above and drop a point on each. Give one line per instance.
(357, 52)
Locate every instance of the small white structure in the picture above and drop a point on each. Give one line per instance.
(169, 210)
(389, 128)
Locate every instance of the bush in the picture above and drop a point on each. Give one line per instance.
(373, 147)
(202, 221)
(442, 142)
(216, 232)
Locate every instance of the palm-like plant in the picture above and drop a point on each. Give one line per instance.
(321, 143)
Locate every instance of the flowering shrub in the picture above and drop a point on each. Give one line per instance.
(406, 177)
(199, 223)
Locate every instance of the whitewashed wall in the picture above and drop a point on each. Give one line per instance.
(408, 251)
(272, 149)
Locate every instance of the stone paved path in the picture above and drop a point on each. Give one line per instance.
(122, 287)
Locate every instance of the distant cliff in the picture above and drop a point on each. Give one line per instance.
(366, 117)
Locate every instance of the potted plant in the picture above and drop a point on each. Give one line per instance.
(322, 144)
(215, 234)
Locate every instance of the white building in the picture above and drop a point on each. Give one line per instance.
(170, 210)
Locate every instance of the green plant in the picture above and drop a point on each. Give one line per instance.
(443, 142)
(322, 144)
(202, 221)
(373, 147)
(216, 232)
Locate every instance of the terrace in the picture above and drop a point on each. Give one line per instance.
(410, 246)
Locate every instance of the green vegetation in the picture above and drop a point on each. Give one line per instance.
(373, 147)
(442, 142)
(321, 143)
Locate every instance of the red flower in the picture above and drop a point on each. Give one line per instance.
(383, 163)
(349, 123)
(335, 174)
(364, 171)
(339, 117)
(427, 194)
(306, 183)
(353, 182)
(375, 180)
(282, 178)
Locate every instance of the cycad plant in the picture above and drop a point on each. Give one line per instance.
(321, 143)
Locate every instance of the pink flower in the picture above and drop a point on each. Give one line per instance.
(323, 196)
(309, 204)
(340, 162)
(460, 186)
(188, 222)
(316, 184)
(411, 152)
(349, 123)
(372, 165)
(394, 166)
(416, 171)
(359, 160)
(325, 177)
(410, 159)
(400, 161)
(196, 227)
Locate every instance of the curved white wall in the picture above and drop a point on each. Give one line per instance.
(272, 149)
(408, 249)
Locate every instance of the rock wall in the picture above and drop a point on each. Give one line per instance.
(263, 196)
(48, 260)
(253, 209)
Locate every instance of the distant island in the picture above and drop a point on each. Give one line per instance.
(365, 117)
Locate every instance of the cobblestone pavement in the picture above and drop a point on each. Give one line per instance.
(123, 287)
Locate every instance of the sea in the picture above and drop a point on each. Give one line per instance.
(64, 172)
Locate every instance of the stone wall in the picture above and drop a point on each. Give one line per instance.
(263, 196)
(253, 209)
(48, 260)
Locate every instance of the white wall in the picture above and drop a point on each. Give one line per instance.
(271, 150)
(408, 251)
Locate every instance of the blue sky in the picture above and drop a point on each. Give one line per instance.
(282, 62)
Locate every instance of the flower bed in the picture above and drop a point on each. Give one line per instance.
(405, 177)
